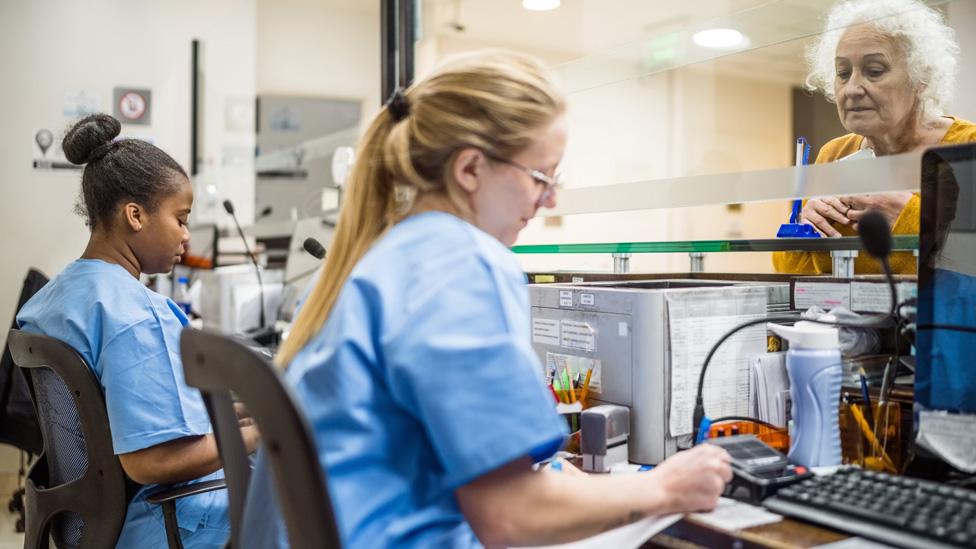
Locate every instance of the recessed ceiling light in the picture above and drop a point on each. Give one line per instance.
(540, 5)
(718, 38)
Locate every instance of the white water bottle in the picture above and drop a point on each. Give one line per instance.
(814, 366)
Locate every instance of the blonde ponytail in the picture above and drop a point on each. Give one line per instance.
(495, 101)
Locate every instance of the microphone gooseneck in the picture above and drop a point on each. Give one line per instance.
(229, 207)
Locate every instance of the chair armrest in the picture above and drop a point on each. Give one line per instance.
(168, 493)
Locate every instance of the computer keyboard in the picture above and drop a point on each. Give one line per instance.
(900, 511)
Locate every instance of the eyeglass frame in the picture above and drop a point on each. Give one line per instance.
(549, 184)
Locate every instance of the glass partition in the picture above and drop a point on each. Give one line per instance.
(676, 142)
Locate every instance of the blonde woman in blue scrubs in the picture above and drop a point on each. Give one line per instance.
(136, 200)
(412, 354)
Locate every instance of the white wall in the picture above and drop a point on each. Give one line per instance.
(961, 16)
(49, 48)
(317, 49)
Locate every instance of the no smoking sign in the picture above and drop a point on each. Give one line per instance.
(132, 106)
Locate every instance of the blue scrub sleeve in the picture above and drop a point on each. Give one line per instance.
(147, 398)
(469, 375)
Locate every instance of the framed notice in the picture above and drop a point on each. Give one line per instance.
(133, 105)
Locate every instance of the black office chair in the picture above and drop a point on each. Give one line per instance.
(77, 492)
(18, 422)
(218, 366)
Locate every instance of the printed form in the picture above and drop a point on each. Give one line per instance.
(697, 319)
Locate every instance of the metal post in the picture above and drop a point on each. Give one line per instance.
(621, 262)
(843, 263)
(388, 48)
(407, 35)
(697, 261)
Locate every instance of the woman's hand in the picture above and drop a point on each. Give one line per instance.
(819, 212)
(694, 479)
(889, 205)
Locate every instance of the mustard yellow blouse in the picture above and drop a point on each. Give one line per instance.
(961, 131)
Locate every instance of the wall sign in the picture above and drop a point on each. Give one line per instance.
(133, 105)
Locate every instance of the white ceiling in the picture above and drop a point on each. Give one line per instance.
(629, 31)
(622, 31)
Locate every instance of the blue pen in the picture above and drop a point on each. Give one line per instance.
(802, 157)
(868, 413)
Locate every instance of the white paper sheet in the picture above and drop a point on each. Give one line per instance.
(825, 295)
(853, 543)
(951, 436)
(696, 320)
(631, 536)
(767, 381)
(730, 515)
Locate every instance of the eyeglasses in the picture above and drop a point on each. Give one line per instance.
(549, 184)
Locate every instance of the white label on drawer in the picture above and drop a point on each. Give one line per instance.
(587, 299)
(545, 331)
(565, 298)
(577, 335)
(622, 329)
(577, 279)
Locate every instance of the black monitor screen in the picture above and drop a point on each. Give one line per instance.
(945, 377)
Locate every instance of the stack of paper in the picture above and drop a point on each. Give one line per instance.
(769, 389)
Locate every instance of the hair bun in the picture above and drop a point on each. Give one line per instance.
(91, 134)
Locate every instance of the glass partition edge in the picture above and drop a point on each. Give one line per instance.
(900, 242)
(889, 173)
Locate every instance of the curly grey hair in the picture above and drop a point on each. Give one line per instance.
(929, 45)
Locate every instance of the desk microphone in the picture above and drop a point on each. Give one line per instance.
(314, 248)
(229, 207)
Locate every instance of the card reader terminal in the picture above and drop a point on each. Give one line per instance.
(758, 469)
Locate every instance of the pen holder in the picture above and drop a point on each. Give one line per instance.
(876, 446)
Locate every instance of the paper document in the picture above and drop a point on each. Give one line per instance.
(768, 381)
(730, 514)
(631, 536)
(696, 320)
(950, 436)
(853, 543)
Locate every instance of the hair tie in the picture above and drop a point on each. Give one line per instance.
(399, 105)
(99, 151)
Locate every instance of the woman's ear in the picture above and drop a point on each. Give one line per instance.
(134, 216)
(465, 168)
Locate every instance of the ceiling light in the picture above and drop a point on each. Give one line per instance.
(718, 38)
(540, 5)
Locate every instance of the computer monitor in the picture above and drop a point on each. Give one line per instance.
(945, 375)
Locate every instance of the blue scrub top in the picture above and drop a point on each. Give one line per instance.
(422, 380)
(129, 336)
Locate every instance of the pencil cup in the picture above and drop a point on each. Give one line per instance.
(874, 446)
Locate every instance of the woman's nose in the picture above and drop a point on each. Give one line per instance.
(854, 86)
(549, 198)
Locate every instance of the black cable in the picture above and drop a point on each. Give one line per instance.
(952, 327)
(699, 412)
(744, 418)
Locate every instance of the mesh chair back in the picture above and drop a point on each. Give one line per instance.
(68, 459)
(218, 365)
(76, 491)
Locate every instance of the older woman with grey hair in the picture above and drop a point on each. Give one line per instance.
(890, 66)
